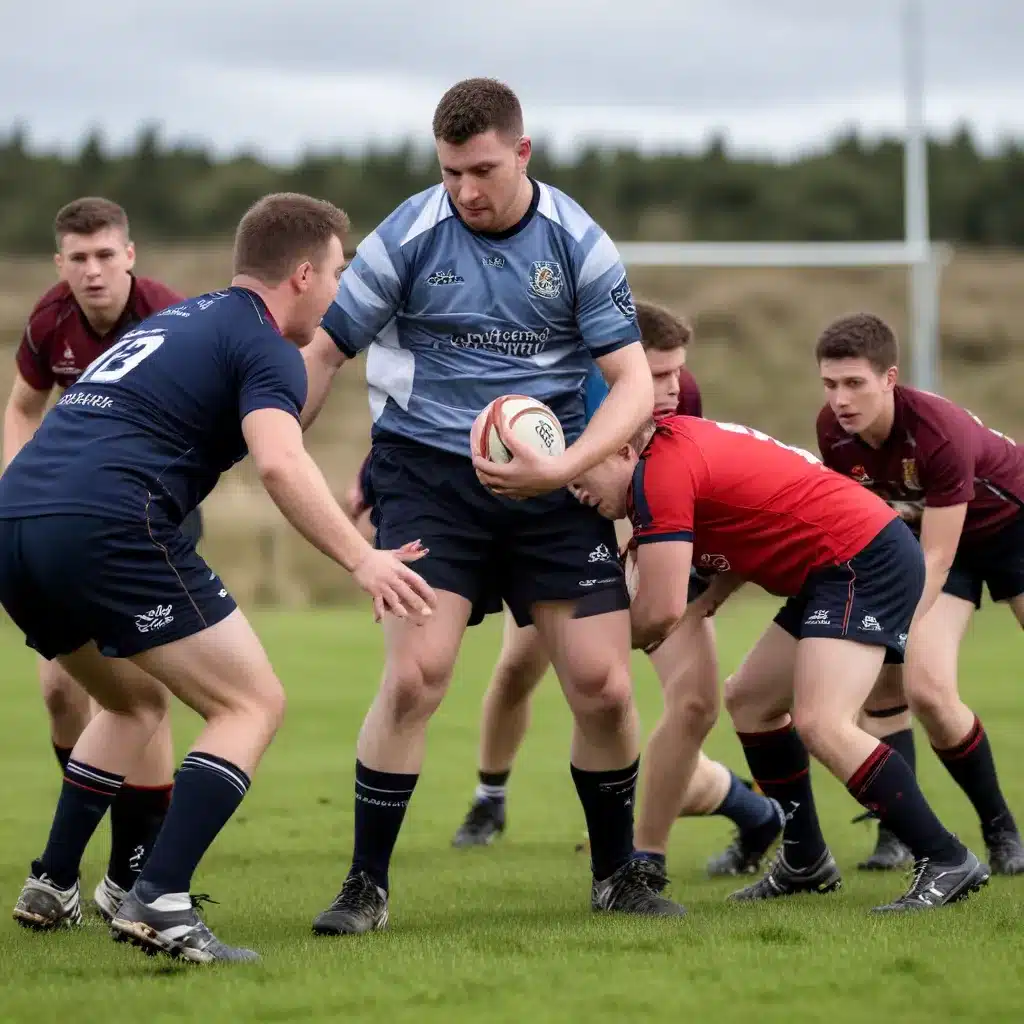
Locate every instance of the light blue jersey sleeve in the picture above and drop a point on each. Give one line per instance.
(595, 391)
(371, 288)
(605, 311)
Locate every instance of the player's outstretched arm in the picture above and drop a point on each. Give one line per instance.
(940, 536)
(298, 488)
(663, 567)
(630, 404)
(323, 359)
(22, 416)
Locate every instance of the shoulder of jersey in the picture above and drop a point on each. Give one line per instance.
(414, 218)
(558, 208)
(924, 411)
(156, 295)
(47, 312)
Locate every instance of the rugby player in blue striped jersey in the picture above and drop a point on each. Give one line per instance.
(487, 284)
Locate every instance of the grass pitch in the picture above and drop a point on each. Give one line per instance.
(506, 933)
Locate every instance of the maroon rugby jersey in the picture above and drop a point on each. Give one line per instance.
(689, 395)
(936, 455)
(59, 342)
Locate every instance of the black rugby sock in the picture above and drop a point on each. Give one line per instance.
(207, 791)
(973, 769)
(885, 784)
(608, 799)
(135, 819)
(382, 799)
(781, 766)
(86, 794)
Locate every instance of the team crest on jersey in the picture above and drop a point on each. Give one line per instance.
(67, 364)
(718, 563)
(546, 279)
(910, 480)
(440, 277)
(860, 474)
(623, 299)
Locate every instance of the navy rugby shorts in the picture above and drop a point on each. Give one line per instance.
(490, 549)
(871, 598)
(68, 579)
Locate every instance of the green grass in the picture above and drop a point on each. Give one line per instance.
(506, 933)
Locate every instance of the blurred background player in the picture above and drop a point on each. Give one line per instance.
(960, 486)
(853, 575)
(489, 284)
(93, 562)
(713, 788)
(97, 300)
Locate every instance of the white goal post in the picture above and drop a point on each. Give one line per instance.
(922, 258)
(924, 262)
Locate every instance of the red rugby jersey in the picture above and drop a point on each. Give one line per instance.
(769, 512)
(59, 343)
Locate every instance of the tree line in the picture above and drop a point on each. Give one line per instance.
(851, 190)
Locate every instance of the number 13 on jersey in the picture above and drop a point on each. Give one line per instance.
(122, 357)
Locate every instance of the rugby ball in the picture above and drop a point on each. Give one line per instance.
(530, 421)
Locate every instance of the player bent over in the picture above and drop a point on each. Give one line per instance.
(853, 573)
(97, 299)
(960, 486)
(490, 284)
(96, 573)
(690, 665)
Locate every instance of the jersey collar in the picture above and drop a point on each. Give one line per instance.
(261, 306)
(498, 236)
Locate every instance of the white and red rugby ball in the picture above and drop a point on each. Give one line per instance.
(526, 419)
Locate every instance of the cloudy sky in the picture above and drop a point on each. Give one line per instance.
(774, 75)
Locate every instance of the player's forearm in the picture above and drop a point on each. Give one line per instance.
(18, 430)
(629, 405)
(652, 618)
(299, 490)
(323, 359)
(722, 586)
(936, 571)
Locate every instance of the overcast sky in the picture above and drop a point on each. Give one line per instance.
(773, 75)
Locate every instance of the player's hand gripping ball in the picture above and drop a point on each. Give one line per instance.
(528, 420)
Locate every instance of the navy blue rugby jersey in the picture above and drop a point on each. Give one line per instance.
(153, 422)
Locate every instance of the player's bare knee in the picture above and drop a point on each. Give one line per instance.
(693, 715)
(64, 698)
(272, 704)
(604, 692)
(415, 688)
(736, 693)
(515, 680)
(817, 729)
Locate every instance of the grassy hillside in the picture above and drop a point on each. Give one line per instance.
(755, 330)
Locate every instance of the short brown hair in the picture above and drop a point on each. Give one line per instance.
(860, 336)
(88, 215)
(474, 106)
(660, 329)
(282, 230)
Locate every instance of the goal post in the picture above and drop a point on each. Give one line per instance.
(923, 261)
